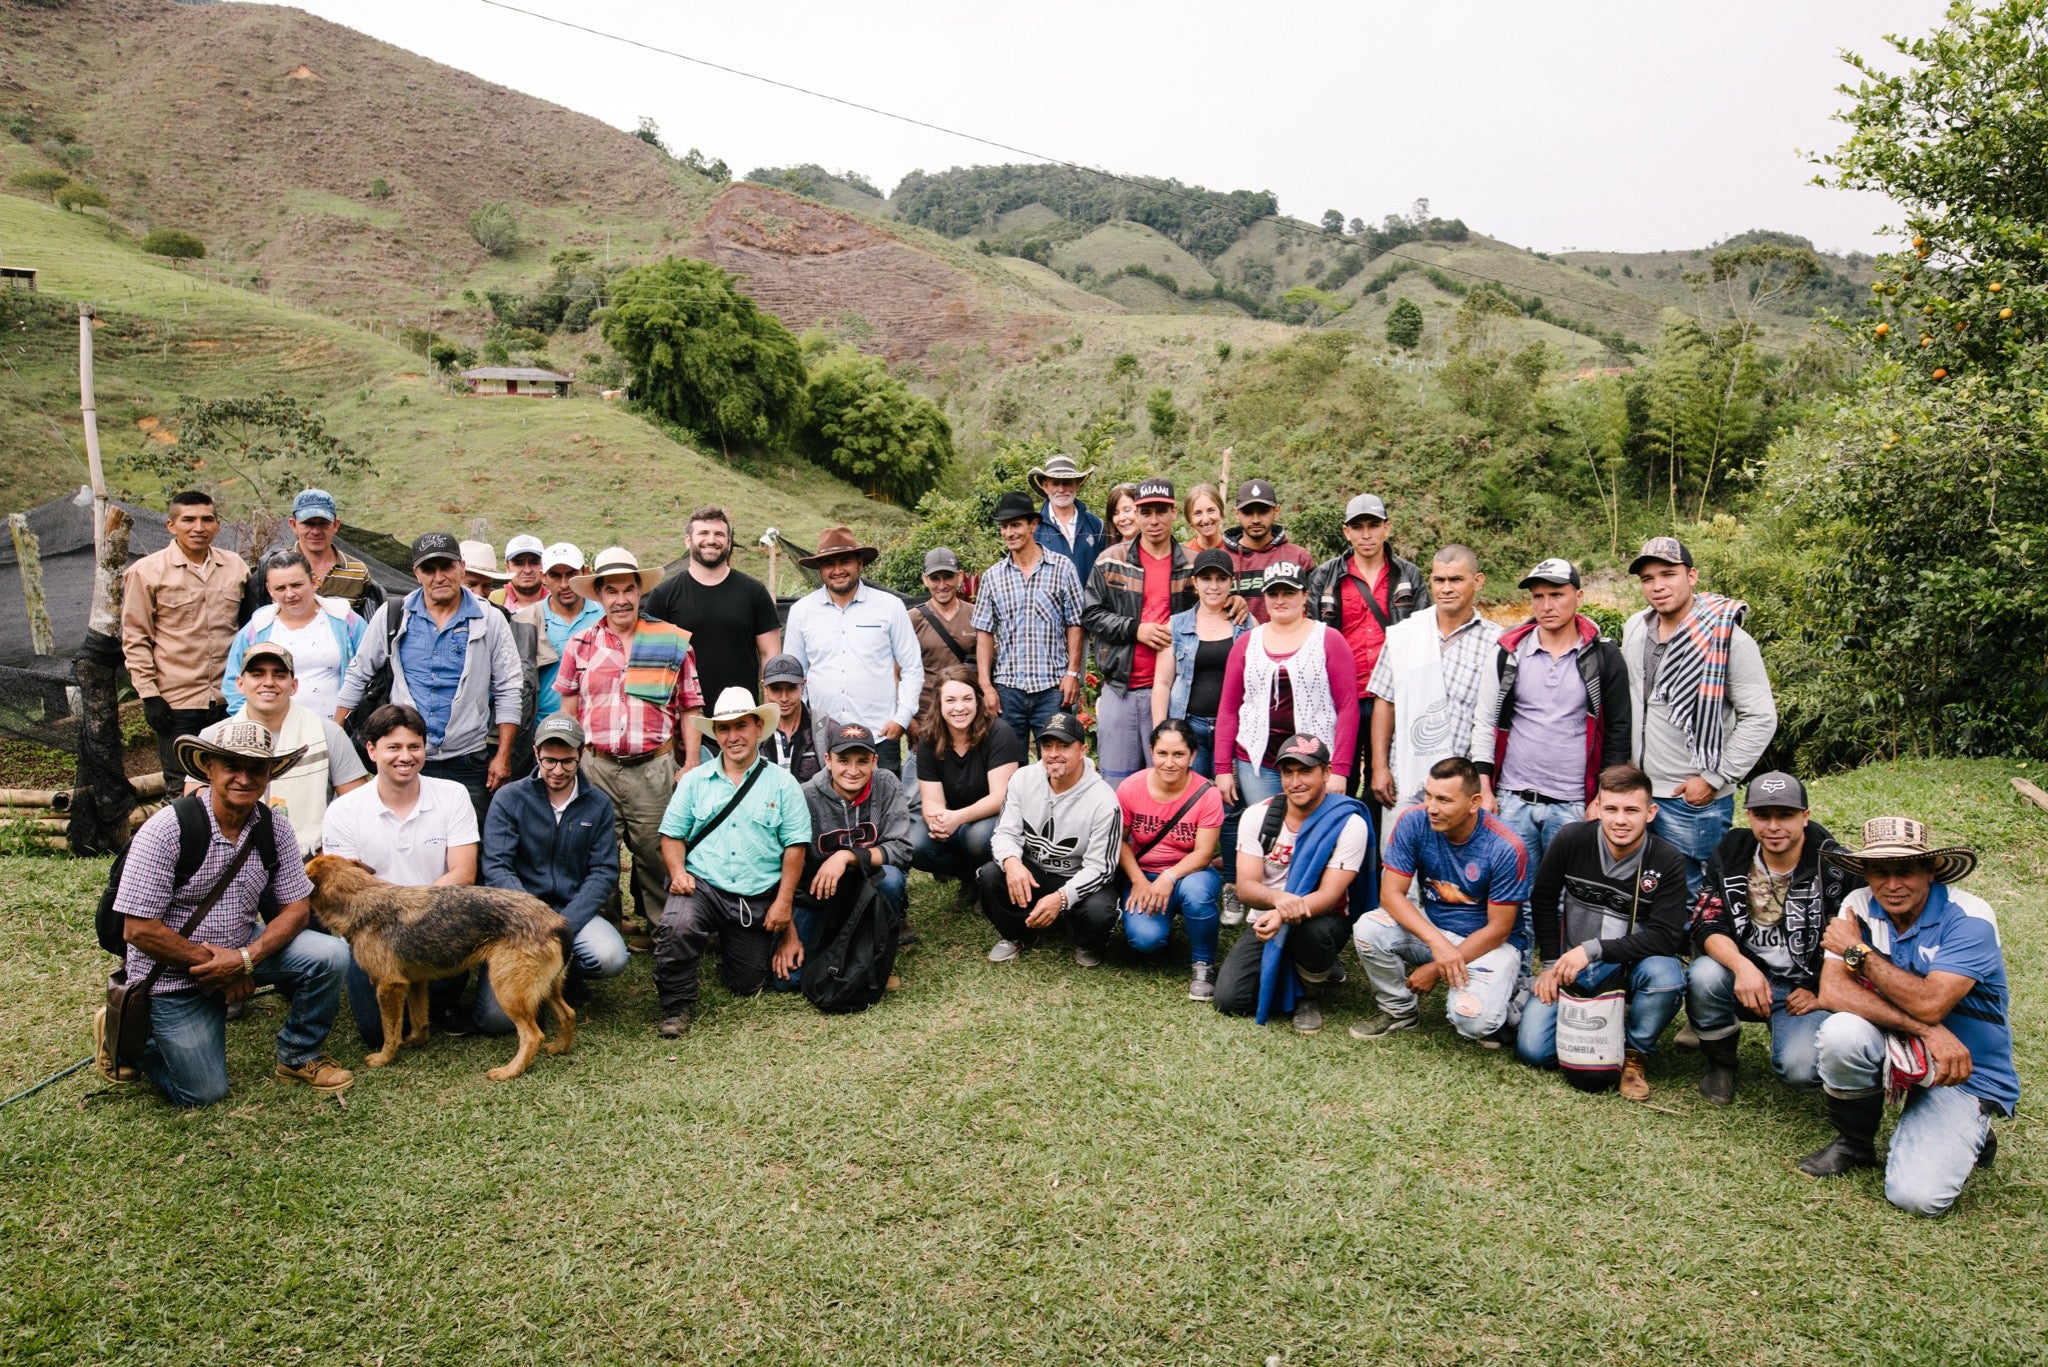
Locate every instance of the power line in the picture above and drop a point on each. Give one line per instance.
(915, 122)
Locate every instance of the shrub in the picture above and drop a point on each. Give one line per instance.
(174, 242)
(495, 229)
(1162, 417)
(76, 196)
(1404, 324)
(865, 425)
(380, 188)
(41, 180)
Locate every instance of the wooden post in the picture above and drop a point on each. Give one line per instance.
(99, 813)
(28, 555)
(1226, 482)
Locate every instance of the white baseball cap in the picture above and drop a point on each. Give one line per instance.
(561, 553)
(523, 544)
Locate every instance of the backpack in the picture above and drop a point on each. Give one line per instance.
(856, 952)
(377, 691)
(195, 831)
(526, 637)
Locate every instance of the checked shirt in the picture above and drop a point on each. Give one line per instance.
(594, 669)
(1029, 616)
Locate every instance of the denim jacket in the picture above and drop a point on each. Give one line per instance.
(1185, 644)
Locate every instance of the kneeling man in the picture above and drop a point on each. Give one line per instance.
(1470, 874)
(860, 830)
(1615, 894)
(1915, 978)
(1056, 848)
(553, 834)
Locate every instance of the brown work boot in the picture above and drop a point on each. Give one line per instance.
(1635, 1083)
(112, 1069)
(322, 1074)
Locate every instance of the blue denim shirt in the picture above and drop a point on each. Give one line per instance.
(432, 658)
(1185, 644)
(1088, 533)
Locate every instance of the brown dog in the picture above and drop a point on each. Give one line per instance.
(405, 938)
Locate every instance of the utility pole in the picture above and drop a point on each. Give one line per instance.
(99, 813)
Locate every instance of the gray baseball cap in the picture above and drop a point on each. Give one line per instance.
(558, 726)
(1776, 789)
(782, 669)
(941, 560)
(1365, 505)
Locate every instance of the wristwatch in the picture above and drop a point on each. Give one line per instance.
(1853, 957)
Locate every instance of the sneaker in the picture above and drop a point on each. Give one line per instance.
(1232, 910)
(676, 1026)
(1308, 1017)
(1382, 1025)
(454, 1021)
(1499, 1039)
(1087, 958)
(322, 1074)
(237, 1010)
(1337, 975)
(1005, 951)
(110, 1068)
(1202, 986)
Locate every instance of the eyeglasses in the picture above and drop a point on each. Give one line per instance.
(558, 761)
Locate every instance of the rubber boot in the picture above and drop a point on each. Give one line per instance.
(1856, 1119)
(1717, 1084)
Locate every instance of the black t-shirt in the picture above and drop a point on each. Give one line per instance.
(723, 619)
(1205, 690)
(965, 777)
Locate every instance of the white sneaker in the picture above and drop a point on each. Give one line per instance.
(1232, 912)
(1005, 951)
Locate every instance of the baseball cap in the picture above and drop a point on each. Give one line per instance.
(560, 555)
(270, 648)
(523, 544)
(558, 726)
(313, 503)
(1555, 570)
(1014, 505)
(1365, 505)
(850, 735)
(1305, 750)
(782, 669)
(1155, 490)
(1776, 789)
(1668, 549)
(941, 560)
(435, 546)
(1064, 726)
(1216, 558)
(1254, 493)
(1283, 574)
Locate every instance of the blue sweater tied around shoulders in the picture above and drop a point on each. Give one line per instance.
(1280, 988)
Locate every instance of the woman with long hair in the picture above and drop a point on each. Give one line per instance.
(321, 633)
(1203, 509)
(965, 756)
(1173, 818)
(1189, 680)
(1121, 512)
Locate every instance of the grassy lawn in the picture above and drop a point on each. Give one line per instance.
(1031, 1164)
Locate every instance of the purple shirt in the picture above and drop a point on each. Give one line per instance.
(146, 887)
(1547, 753)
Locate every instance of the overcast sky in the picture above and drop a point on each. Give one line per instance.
(1612, 124)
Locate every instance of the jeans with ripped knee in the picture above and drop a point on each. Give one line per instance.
(1476, 1010)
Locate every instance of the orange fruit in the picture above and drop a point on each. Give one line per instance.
(1994, 287)
(1940, 374)
(2005, 312)
(1884, 329)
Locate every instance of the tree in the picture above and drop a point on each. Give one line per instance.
(495, 229)
(1123, 369)
(1161, 415)
(1333, 221)
(380, 188)
(272, 443)
(715, 170)
(173, 242)
(40, 180)
(76, 196)
(649, 132)
(1752, 277)
(1404, 324)
(703, 356)
(865, 425)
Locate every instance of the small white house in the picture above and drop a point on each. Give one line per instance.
(518, 379)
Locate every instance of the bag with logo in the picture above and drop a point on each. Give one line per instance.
(1589, 1039)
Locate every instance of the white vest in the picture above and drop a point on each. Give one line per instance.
(1308, 671)
(299, 794)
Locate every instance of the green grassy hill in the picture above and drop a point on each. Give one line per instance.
(1115, 246)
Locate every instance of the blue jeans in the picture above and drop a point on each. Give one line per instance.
(1027, 712)
(1123, 729)
(1253, 785)
(1654, 985)
(1476, 1010)
(808, 914)
(1195, 898)
(1695, 830)
(1715, 1014)
(1538, 823)
(187, 1053)
(1940, 1132)
(958, 855)
(1205, 744)
(598, 952)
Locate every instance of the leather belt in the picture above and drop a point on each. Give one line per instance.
(1531, 795)
(635, 761)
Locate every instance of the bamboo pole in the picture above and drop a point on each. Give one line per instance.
(28, 554)
(1225, 486)
(55, 799)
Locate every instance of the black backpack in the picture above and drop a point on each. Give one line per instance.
(856, 952)
(377, 691)
(194, 833)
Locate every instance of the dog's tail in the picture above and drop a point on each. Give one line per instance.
(568, 939)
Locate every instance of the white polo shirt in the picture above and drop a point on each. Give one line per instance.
(411, 851)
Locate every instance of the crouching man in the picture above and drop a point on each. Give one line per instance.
(734, 839)
(554, 835)
(1056, 847)
(1609, 907)
(1915, 978)
(860, 829)
(200, 964)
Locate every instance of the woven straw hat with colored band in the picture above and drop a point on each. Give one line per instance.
(1057, 467)
(1895, 839)
(236, 740)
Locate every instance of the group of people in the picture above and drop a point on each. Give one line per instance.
(1318, 752)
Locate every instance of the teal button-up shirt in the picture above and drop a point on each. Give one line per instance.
(744, 855)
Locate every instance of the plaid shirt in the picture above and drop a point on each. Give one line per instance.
(1029, 616)
(593, 667)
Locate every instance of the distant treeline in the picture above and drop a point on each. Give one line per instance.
(961, 201)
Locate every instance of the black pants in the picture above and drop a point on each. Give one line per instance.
(1360, 778)
(1313, 945)
(471, 771)
(185, 721)
(687, 923)
(1091, 921)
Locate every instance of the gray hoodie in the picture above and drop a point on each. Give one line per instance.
(884, 820)
(1072, 835)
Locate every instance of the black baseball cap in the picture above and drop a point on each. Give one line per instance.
(435, 546)
(1155, 490)
(1305, 750)
(1555, 570)
(1256, 493)
(1215, 558)
(850, 735)
(1014, 505)
(1776, 789)
(1063, 726)
(1283, 574)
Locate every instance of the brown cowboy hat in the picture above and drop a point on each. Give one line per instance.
(1059, 466)
(1898, 839)
(838, 541)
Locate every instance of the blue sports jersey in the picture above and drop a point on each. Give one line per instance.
(1453, 883)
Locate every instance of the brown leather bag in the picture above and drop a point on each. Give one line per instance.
(128, 1002)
